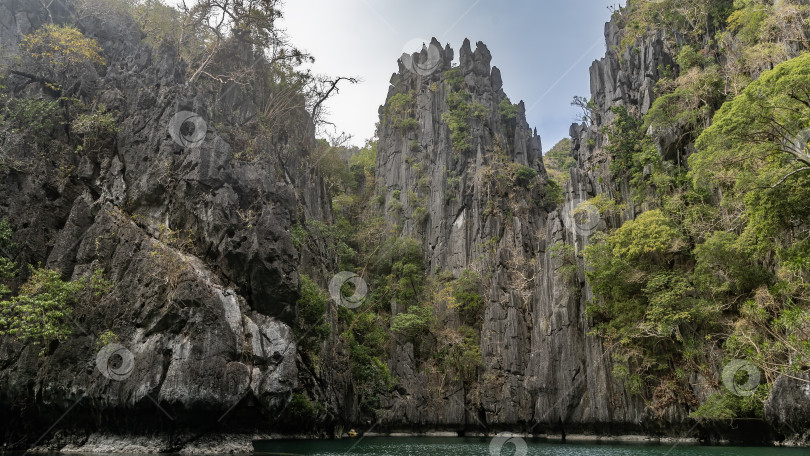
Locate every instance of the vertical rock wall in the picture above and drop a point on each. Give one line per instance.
(466, 222)
(541, 366)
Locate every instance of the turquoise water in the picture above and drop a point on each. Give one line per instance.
(439, 446)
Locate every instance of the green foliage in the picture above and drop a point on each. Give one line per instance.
(688, 58)
(401, 103)
(366, 338)
(553, 193)
(420, 214)
(502, 175)
(693, 18)
(407, 272)
(311, 324)
(399, 110)
(459, 354)
(588, 108)
(365, 160)
(559, 160)
(762, 34)
(695, 95)
(723, 266)
(34, 118)
(626, 139)
(61, 46)
(58, 53)
(461, 110)
(746, 22)
(456, 120)
(454, 79)
(603, 203)
(650, 237)
(94, 128)
(5, 235)
(299, 235)
(507, 110)
(643, 303)
(41, 311)
(632, 152)
(728, 406)
(567, 257)
(302, 411)
(159, 24)
(414, 322)
(337, 238)
(105, 338)
(525, 176)
(467, 296)
(409, 124)
(715, 258)
(7, 266)
(478, 111)
(752, 140)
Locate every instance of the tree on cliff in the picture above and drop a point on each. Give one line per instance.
(761, 137)
(220, 30)
(251, 22)
(56, 55)
(42, 308)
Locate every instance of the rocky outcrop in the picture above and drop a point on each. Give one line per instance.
(787, 409)
(542, 369)
(470, 213)
(575, 385)
(195, 241)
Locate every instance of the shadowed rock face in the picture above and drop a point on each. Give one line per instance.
(788, 408)
(573, 370)
(196, 242)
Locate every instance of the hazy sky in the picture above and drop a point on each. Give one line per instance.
(543, 49)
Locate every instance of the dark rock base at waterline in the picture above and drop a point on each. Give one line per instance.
(145, 432)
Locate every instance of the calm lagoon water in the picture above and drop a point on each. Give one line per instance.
(439, 446)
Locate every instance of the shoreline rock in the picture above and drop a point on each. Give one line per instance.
(236, 443)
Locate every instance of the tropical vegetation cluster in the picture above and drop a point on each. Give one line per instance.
(719, 257)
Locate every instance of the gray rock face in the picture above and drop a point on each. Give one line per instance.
(787, 409)
(541, 368)
(462, 210)
(196, 242)
(575, 384)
